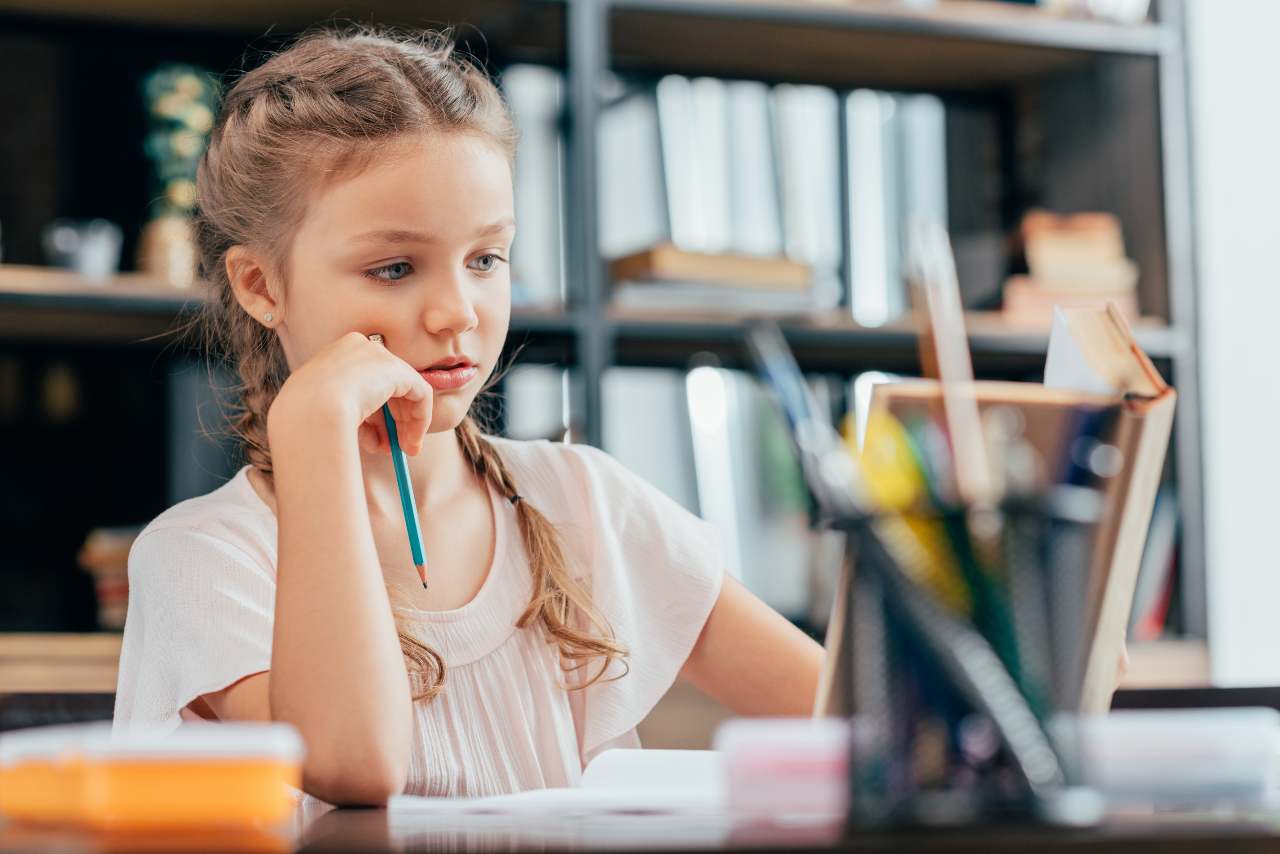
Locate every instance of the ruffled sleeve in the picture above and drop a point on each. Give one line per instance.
(199, 619)
(655, 573)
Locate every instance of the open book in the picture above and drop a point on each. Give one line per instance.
(1093, 361)
(616, 781)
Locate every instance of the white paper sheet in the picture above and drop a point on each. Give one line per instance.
(620, 782)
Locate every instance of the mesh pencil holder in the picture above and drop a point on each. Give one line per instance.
(956, 650)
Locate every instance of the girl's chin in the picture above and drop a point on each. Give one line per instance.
(448, 411)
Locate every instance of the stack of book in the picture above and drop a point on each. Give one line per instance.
(1075, 261)
(665, 277)
(105, 556)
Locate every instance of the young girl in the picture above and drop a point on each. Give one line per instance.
(356, 184)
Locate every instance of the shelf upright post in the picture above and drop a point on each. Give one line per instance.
(587, 41)
(1174, 131)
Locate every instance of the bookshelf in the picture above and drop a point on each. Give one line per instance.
(970, 52)
(59, 663)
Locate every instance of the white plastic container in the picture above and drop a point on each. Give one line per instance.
(1180, 758)
(785, 766)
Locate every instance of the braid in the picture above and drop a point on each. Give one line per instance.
(426, 670)
(558, 598)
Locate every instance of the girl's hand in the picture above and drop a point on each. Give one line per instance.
(350, 380)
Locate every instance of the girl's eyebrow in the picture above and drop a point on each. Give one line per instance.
(394, 235)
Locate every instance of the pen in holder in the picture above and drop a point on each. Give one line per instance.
(951, 707)
(962, 628)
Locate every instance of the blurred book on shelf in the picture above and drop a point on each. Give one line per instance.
(728, 169)
(1027, 303)
(1119, 11)
(711, 441)
(664, 276)
(1153, 594)
(744, 169)
(105, 556)
(536, 98)
(666, 263)
(807, 130)
(699, 297)
(897, 170)
(1073, 261)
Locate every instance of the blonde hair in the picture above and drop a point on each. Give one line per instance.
(319, 109)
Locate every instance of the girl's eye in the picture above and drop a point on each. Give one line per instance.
(394, 272)
(494, 260)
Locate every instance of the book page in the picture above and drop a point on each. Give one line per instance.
(617, 781)
(1067, 367)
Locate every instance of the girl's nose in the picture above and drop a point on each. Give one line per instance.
(448, 307)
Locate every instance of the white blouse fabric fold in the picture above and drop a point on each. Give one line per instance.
(201, 606)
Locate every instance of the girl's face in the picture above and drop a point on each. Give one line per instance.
(415, 247)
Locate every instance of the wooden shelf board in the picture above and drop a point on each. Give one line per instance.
(956, 45)
(531, 29)
(28, 285)
(59, 663)
(88, 663)
(39, 302)
(833, 341)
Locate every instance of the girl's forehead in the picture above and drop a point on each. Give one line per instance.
(443, 184)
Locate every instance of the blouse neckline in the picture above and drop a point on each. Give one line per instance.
(475, 629)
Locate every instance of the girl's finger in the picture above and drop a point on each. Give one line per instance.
(413, 415)
(372, 436)
(410, 414)
(409, 429)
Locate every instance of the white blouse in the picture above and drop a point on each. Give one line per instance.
(202, 594)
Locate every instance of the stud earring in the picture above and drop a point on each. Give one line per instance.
(267, 317)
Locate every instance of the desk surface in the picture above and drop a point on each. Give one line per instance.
(380, 830)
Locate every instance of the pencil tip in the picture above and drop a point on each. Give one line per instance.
(424, 585)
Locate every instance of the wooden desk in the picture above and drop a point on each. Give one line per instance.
(381, 831)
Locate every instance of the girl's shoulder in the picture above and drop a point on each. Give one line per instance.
(542, 456)
(583, 481)
(561, 472)
(233, 514)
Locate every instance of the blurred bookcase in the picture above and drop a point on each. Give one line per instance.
(1064, 114)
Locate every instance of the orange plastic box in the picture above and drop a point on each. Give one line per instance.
(41, 772)
(207, 774)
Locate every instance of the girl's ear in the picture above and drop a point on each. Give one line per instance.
(251, 284)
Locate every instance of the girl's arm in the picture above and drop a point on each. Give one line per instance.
(337, 672)
(753, 660)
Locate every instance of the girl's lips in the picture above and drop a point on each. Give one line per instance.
(448, 379)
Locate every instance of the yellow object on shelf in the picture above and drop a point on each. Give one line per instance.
(200, 775)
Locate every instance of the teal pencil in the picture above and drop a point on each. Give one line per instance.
(410, 507)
